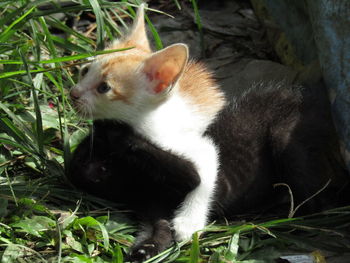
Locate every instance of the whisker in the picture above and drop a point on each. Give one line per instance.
(91, 132)
(84, 110)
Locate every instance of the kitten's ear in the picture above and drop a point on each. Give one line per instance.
(138, 33)
(165, 67)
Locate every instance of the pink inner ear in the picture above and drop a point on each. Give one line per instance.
(164, 76)
(164, 67)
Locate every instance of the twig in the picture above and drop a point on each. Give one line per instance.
(315, 194)
(11, 189)
(291, 209)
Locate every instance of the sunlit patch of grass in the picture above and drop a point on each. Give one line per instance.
(42, 218)
(38, 131)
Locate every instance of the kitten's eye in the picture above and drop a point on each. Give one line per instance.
(84, 71)
(103, 88)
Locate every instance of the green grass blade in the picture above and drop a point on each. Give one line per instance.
(11, 62)
(232, 249)
(39, 2)
(69, 31)
(65, 58)
(11, 189)
(177, 4)
(194, 252)
(65, 10)
(83, 55)
(64, 43)
(48, 37)
(199, 25)
(4, 75)
(100, 23)
(282, 221)
(105, 235)
(120, 20)
(77, 8)
(59, 86)
(8, 17)
(39, 125)
(111, 24)
(117, 255)
(158, 41)
(8, 32)
(37, 45)
(12, 130)
(16, 143)
(24, 132)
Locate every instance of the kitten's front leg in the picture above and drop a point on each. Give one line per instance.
(193, 212)
(152, 241)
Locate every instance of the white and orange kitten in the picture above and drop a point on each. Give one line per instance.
(169, 100)
(175, 139)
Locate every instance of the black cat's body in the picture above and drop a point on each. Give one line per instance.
(267, 136)
(275, 135)
(118, 164)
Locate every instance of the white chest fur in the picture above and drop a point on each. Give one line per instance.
(178, 127)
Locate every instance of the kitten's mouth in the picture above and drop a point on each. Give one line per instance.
(82, 109)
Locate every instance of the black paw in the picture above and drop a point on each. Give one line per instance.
(144, 252)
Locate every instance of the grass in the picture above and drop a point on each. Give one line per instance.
(42, 218)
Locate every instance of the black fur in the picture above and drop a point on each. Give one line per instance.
(269, 135)
(278, 134)
(122, 166)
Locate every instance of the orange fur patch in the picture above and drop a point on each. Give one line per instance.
(129, 43)
(196, 82)
(118, 71)
(198, 85)
(118, 96)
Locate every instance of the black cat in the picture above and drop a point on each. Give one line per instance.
(120, 165)
(278, 134)
(269, 135)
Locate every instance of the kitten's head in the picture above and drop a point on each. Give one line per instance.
(126, 84)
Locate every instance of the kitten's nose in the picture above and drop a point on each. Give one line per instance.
(74, 94)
